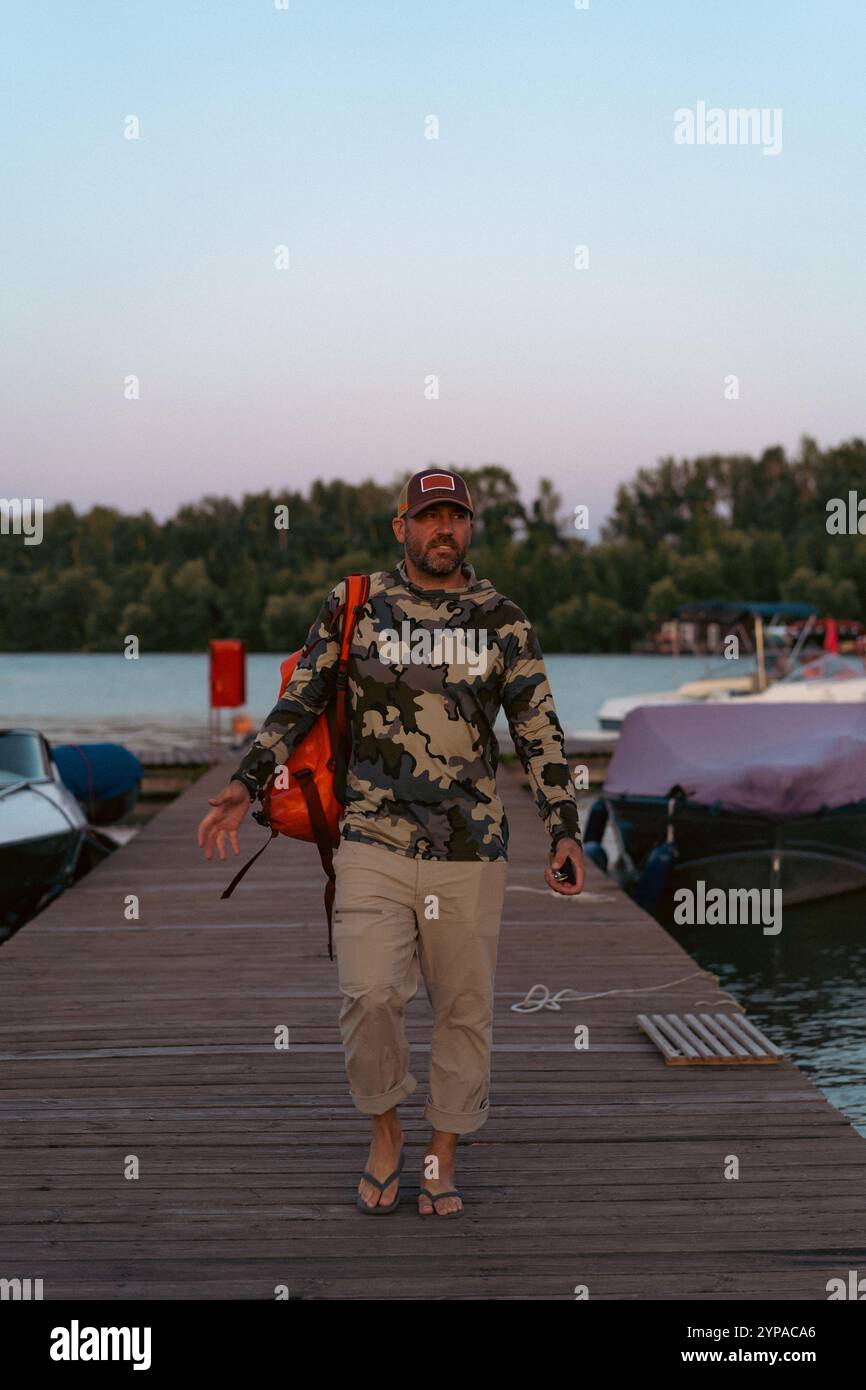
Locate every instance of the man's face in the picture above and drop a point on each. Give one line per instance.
(438, 538)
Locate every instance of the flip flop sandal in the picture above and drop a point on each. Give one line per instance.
(378, 1210)
(454, 1192)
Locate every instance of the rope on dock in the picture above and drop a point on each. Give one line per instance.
(545, 1000)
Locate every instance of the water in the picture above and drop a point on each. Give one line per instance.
(806, 988)
(163, 697)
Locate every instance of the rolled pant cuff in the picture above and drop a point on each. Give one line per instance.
(455, 1121)
(377, 1105)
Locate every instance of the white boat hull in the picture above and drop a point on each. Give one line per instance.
(42, 830)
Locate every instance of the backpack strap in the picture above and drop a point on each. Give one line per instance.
(304, 779)
(263, 818)
(357, 593)
(227, 892)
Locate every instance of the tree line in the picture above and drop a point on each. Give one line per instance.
(721, 526)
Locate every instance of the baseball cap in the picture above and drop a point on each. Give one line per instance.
(433, 485)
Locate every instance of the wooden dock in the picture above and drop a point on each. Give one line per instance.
(153, 1041)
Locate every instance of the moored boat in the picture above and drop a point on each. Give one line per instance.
(823, 678)
(42, 827)
(105, 778)
(779, 664)
(740, 795)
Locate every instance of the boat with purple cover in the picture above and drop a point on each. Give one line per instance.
(739, 795)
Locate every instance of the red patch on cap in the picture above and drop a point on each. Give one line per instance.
(437, 480)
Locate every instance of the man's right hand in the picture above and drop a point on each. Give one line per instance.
(231, 805)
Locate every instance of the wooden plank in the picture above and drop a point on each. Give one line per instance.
(711, 1022)
(694, 1039)
(712, 1038)
(665, 1024)
(598, 1166)
(751, 1037)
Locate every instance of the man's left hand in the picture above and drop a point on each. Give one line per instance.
(565, 849)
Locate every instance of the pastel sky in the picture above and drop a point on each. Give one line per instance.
(305, 127)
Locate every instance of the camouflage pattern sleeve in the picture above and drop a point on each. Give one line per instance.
(311, 686)
(538, 738)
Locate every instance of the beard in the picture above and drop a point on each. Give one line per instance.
(438, 563)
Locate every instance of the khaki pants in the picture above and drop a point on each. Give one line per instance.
(386, 931)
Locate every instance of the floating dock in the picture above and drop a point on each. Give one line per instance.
(156, 1144)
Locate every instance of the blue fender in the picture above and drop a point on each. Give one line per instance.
(597, 821)
(655, 875)
(594, 851)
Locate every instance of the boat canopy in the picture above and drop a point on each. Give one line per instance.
(774, 760)
(730, 610)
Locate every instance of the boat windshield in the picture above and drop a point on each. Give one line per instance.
(828, 667)
(22, 756)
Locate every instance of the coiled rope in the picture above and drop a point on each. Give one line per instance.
(540, 997)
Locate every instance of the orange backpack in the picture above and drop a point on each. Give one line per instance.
(309, 805)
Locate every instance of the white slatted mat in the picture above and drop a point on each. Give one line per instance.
(697, 1040)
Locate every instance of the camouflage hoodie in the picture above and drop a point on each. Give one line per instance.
(428, 672)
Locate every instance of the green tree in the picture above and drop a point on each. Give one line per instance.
(729, 526)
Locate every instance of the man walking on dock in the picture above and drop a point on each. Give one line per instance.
(423, 856)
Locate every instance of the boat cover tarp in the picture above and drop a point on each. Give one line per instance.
(776, 760)
(97, 771)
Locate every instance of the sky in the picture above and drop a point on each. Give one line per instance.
(411, 258)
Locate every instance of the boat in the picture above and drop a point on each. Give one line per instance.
(778, 665)
(737, 795)
(42, 827)
(105, 778)
(823, 679)
(615, 709)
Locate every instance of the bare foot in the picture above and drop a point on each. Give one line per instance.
(442, 1147)
(385, 1147)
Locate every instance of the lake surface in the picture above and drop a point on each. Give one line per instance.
(806, 988)
(71, 696)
